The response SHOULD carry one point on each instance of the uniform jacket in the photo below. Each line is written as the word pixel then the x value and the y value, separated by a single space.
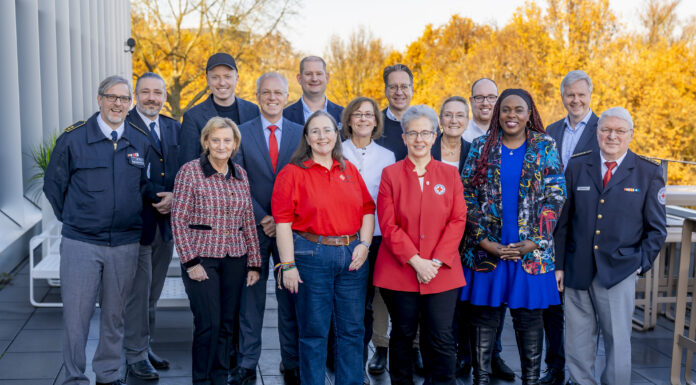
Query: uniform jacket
pixel 588 139
pixel 611 231
pixel 428 223
pixel 97 190
pixel 541 196
pixel 212 215
pixel 253 156
pixel 161 167
pixel 391 138
pixel 436 151
pixel 195 119
pixel 295 114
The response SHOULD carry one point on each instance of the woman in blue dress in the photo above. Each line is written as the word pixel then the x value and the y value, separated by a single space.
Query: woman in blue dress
pixel 514 189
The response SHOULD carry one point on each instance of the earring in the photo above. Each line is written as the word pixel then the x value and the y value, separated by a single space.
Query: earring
pixel 529 124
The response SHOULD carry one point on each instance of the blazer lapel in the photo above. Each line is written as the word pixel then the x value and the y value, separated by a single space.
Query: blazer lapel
pixel 435 150
pixel 139 122
pixel 289 136
pixel 587 133
pixel 260 139
pixel 594 169
pixel 623 171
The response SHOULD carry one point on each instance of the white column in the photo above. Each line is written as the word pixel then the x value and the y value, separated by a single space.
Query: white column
pixel 30 79
pixel 11 194
pixel 129 56
pixel 78 102
pixel 94 48
pixel 48 52
pixel 109 38
pixel 63 64
pixel 101 42
pixel 88 88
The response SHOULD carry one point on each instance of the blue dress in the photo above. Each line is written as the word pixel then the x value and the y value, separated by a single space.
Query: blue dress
pixel 509 283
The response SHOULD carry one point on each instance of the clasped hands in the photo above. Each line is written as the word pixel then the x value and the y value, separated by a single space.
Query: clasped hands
pixel 426 269
pixel 512 252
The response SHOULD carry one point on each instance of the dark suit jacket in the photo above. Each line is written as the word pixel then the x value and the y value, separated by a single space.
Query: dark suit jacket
pixel 588 139
pixel 195 119
pixel 611 231
pixel 162 166
pixel 295 114
pixel 436 152
pixel 391 138
pixel 254 158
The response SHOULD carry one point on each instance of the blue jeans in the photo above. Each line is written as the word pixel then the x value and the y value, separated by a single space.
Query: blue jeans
pixel 329 288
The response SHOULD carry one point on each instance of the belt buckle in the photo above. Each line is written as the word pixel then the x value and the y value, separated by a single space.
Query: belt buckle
pixel 347 237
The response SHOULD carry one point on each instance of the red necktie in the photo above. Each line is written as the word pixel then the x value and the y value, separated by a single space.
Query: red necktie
pixel 273 146
pixel 607 175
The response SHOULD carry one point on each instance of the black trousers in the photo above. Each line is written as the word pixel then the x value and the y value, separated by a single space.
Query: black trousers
pixel 435 313
pixel 553 327
pixel 522 319
pixel 215 306
pixel 371 258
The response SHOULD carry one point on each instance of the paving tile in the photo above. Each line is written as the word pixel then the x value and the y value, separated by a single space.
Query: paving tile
pixel 20 366
pixel 45 318
pixel 269 362
pixel 9 328
pixel 27 382
pixel 37 341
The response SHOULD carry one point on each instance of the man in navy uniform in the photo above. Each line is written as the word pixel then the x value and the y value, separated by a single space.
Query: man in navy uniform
pixel 268 142
pixel 575 133
pixel 222 77
pixel 95 183
pixel 313 79
pixel 611 229
pixel 156 243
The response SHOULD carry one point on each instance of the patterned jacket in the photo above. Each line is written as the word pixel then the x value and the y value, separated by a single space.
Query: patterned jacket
pixel 212 216
pixel 541 196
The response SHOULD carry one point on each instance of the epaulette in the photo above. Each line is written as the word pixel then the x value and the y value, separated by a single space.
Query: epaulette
pixel 138 128
pixel 76 125
pixel 167 117
pixel 581 154
pixel 651 160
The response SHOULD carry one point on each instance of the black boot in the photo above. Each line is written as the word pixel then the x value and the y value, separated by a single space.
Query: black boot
pixel 378 361
pixel 483 343
pixel 529 344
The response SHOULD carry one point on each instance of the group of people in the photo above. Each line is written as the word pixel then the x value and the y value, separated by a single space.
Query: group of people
pixel 404 227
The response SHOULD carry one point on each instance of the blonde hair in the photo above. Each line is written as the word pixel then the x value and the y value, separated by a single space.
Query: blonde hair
pixel 217 123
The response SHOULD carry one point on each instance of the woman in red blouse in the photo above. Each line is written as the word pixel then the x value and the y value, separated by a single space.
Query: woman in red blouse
pixel 422 214
pixel 324 223
pixel 215 237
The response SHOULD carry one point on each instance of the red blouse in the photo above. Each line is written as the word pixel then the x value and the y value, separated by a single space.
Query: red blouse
pixel 320 201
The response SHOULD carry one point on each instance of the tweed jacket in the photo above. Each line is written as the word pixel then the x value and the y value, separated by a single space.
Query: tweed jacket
pixel 541 196
pixel 212 216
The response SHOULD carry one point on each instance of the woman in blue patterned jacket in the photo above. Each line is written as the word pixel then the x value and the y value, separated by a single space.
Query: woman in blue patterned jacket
pixel 514 190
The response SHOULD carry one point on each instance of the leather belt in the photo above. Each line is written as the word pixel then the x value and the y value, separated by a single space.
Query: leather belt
pixel 341 240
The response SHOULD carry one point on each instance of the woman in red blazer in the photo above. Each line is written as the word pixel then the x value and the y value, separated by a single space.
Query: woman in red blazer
pixel 422 214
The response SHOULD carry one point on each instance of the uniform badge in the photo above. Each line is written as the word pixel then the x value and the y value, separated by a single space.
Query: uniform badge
pixel 583 188
pixel 341 177
pixel 439 189
pixel 661 197
pixel 631 189
pixel 148 171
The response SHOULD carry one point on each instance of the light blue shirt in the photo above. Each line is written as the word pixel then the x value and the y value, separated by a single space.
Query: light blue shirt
pixel 571 137
pixel 267 133
pixel 106 129
pixel 147 122
pixel 305 110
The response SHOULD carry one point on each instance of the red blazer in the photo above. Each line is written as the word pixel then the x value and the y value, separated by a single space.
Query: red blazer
pixel 428 223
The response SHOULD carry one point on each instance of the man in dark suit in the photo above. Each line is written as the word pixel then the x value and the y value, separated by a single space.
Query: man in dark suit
pixel 268 142
pixel 313 79
pixel 156 243
pixel 575 133
pixel 612 227
pixel 398 87
pixel 222 77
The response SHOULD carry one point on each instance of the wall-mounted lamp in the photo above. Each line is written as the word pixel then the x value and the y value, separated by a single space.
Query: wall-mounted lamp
pixel 130 45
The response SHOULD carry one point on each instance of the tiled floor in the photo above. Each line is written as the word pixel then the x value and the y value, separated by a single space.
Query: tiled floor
pixel 30 343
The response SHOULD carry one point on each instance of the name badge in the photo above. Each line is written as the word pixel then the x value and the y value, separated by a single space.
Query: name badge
pixel 136 161
pixel 583 188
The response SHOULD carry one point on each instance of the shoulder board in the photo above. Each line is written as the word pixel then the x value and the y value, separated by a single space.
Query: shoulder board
pixel 651 160
pixel 138 128
pixel 167 117
pixel 581 154
pixel 76 125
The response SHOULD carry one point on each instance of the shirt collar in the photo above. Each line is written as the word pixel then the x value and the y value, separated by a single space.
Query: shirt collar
pixel 310 163
pixel 583 121
pixel 106 129
pixel 265 123
pixel 618 161
pixel 209 170
pixel 306 110
pixel 146 119
pixel 391 115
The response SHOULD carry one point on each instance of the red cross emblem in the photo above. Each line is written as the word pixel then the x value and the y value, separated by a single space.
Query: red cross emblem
pixel 439 189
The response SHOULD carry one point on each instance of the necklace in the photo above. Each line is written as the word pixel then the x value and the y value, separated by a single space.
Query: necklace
pixel 451 151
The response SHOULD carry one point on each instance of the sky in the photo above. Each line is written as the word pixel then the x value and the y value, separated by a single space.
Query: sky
pixel 399 22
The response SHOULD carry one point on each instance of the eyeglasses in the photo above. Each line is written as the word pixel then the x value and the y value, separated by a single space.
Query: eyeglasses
pixel 426 135
pixel 480 98
pixel 609 131
pixel 358 115
pixel 396 87
pixel 450 115
pixel 111 98
pixel 319 132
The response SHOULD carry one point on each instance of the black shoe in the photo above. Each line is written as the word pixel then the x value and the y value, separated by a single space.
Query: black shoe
pixel 530 344
pixel 143 370
pixel 418 363
pixel 241 376
pixel 291 376
pixel 378 362
pixel 553 377
pixel 156 361
pixel 463 367
pixel 120 381
pixel 483 343
pixel 501 370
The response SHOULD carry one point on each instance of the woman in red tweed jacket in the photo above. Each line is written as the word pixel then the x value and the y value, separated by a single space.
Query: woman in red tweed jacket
pixel 215 236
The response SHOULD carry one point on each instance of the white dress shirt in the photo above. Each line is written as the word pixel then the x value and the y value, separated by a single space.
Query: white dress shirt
pixel 472 131
pixel 106 129
pixel 148 121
